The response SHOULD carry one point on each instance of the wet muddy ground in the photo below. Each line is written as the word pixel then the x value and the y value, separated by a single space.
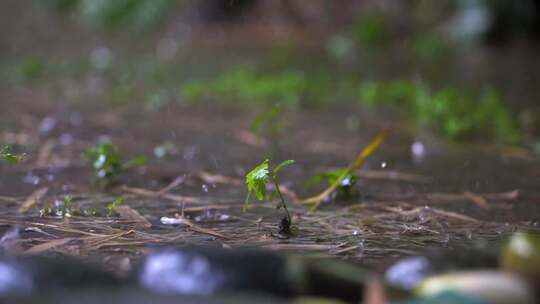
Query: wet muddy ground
pixel 447 195
pixel 418 191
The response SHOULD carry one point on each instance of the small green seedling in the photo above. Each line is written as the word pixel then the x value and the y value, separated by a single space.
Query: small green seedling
pixel 316 200
pixel 108 162
pixel 117 202
pixel 61 208
pixel 7 155
pixel 345 190
pixel 257 180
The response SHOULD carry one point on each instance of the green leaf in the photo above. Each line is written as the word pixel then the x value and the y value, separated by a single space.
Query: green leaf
pixel 117 202
pixel 137 161
pixel 7 155
pixel 283 164
pixel 257 178
pixel 329 177
pixel 256 181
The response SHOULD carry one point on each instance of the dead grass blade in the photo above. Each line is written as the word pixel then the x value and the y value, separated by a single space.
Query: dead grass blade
pixel 150 193
pixel 175 183
pixel 477 199
pixel 192 226
pixel 43 247
pixel 249 138
pixel 211 178
pixel 392 175
pixel 33 199
pixel 130 214
pixel 45 152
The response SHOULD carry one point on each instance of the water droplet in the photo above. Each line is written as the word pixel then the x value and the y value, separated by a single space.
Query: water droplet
pixel 361 247
pixel 425 214
pixel 204 188
pixel 66 139
pixel 100 57
pixel 75 118
pixel 166 49
pixel 352 123
pixel 31 178
pixel 190 152
pixel 47 125
pixel 418 150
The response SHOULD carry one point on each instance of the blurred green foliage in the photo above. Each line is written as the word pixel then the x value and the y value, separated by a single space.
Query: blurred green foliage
pixel 28 69
pixel 429 45
pixel 114 13
pixel 7 154
pixel 275 93
pixel 456 114
pixel 109 163
pixel 344 191
pixel 270 122
pixel 244 84
pixel 112 206
pixel 372 30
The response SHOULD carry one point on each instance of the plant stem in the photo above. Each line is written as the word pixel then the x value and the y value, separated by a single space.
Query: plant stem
pixel 282 200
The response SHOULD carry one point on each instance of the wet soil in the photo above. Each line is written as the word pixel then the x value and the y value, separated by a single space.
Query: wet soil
pixel 452 196
pixel 418 191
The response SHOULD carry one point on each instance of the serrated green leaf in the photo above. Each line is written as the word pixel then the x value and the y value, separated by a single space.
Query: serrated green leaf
pixel 256 180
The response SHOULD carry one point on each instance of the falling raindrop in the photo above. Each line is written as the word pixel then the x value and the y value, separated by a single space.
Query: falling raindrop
pixel 418 150
pixel 383 165
pixel 66 139
pixel 75 118
pixel 352 122
pixel 100 57
pixel 190 152
pixel 31 178
pixel 425 214
pixel 166 49
pixel 47 125
pixel 204 188
pixel 361 247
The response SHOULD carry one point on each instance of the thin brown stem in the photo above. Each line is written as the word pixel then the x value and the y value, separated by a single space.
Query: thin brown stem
pixel 281 198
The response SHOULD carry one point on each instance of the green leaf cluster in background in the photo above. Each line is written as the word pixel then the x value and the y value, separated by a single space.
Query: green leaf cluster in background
pixel 372 30
pixel 455 114
pixel 29 69
pixel 116 13
pixel 244 84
